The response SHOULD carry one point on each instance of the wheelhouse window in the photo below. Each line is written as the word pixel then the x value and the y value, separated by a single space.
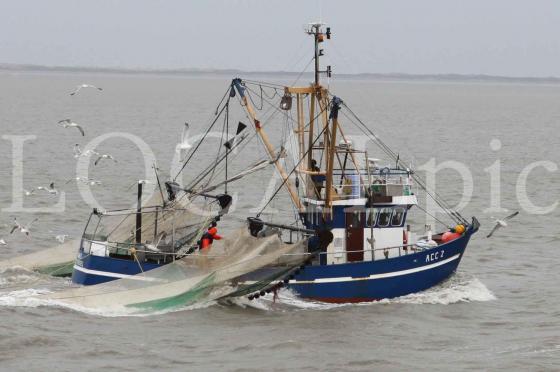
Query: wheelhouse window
pixel 384 217
pixel 371 216
pixel 398 215
pixel 356 219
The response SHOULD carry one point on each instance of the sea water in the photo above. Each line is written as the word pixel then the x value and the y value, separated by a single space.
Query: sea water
pixel 499 311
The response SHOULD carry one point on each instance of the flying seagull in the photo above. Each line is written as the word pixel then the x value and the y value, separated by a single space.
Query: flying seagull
pixel 92 182
pixel 68 123
pixel 78 179
pixel 184 144
pixel 78 151
pixel 87 181
pixel 82 86
pixel 501 223
pixel 104 156
pixel 3 242
pixel 22 229
pixel 51 190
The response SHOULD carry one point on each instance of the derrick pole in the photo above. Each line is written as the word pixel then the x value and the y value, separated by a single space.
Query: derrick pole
pixel 268 145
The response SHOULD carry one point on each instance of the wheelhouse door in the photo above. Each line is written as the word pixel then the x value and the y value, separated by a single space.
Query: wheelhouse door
pixel 355 223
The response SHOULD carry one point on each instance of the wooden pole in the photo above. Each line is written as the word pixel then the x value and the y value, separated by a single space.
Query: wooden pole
pixel 270 149
pixel 330 163
pixel 310 139
pixel 301 133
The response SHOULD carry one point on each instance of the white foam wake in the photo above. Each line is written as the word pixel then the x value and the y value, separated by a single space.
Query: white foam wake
pixel 20 287
pixel 28 298
pixel 454 290
pixel 459 288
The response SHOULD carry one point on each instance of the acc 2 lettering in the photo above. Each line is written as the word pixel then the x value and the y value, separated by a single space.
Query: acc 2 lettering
pixel 434 256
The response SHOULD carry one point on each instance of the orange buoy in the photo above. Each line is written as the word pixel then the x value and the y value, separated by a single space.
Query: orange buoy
pixel 459 229
pixel 449 236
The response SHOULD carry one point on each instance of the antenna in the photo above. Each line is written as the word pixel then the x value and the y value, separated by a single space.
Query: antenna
pixel 316 29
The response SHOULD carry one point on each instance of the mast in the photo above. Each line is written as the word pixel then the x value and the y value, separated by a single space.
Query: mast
pixel 320 95
pixel 315 29
pixel 139 215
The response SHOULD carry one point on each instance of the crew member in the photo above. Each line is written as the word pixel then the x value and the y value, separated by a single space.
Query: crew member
pixel 209 237
pixel 317 179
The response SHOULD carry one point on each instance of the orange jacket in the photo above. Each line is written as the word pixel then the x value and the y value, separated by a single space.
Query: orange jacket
pixel 209 237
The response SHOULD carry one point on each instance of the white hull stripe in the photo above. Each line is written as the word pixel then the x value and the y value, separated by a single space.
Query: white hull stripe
pixel 114 275
pixel 377 276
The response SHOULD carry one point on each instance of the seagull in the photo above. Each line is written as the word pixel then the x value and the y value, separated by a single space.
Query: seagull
pixel 104 156
pixel 61 238
pixel 87 181
pixel 68 123
pixel 184 144
pixel 78 152
pixel 28 192
pixel 22 229
pixel 3 242
pixel 82 86
pixel 51 190
pixel 92 182
pixel 501 223
pixel 77 179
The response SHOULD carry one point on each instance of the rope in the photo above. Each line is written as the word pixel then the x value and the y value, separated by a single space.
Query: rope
pixel 203 138
pixel 295 167
pixel 455 216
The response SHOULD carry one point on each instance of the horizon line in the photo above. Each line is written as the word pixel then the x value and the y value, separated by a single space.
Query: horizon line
pixel 221 71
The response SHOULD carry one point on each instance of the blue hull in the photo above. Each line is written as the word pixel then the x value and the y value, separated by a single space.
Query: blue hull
pixel 339 283
pixel 376 280
pixel 89 270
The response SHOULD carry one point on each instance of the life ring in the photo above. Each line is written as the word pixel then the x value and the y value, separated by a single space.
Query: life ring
pixel 385 170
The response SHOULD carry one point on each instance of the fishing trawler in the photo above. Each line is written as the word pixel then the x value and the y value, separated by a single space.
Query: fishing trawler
pixel 351 210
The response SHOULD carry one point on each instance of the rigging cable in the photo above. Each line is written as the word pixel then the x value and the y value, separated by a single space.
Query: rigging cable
pixel 298 163
pixel 437 198
pixel 202 140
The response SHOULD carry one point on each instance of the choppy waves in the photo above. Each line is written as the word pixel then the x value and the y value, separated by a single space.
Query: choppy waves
pixel 20 287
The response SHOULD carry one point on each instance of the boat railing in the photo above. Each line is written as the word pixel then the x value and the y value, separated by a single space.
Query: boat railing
pixel 125 249
pixel 353 185
pixel 403 250
pixel 113 233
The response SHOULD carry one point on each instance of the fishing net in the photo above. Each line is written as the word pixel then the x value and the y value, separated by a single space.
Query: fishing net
pixel 53 261
pixel 167 229
pixel 196 277
pixel 162 224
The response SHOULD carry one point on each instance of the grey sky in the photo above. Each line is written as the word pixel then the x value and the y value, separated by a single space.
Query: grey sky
pixel 499 37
